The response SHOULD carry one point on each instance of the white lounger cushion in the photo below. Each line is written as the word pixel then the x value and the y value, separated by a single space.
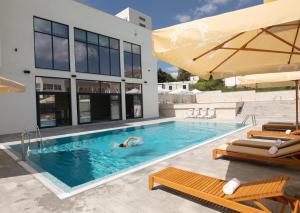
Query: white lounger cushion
pixel 265 144
pixel 259 151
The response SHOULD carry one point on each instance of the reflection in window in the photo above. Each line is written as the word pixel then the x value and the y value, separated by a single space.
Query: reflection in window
pixel 60 53
pixel 115 62
pixel 43 50
pixel 103 53
pixel 84 86
pixel 93 58
pixel 98 101
pixel 132 60
pixel 44 84
pixel 53 101
pixel 80 57
pixel 105 63
pixel 134 106
pixel 51 44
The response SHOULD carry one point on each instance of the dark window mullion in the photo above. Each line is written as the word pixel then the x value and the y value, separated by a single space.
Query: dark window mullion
pixel 100 59
pixel 109 47
pixel 98 50
pixel 52 45
pixel 69 68
pixel 87 54
pixel 132 75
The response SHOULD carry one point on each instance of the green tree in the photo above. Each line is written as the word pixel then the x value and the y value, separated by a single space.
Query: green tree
pixel 183 75
pixel 208 85
pixel 164 76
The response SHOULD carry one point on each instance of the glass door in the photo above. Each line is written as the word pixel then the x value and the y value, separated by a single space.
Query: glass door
pixel 115 108
pixel 137 106
pixel 47 116
pixel 84 109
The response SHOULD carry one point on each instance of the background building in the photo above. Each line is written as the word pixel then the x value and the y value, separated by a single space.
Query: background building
pixel 179 85
pixel 79 65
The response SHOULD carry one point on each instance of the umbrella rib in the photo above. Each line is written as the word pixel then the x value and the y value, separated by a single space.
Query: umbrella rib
pixel 294 44
pixel 218 47
pixel 281 39
pixel 237 50
pixel 259 50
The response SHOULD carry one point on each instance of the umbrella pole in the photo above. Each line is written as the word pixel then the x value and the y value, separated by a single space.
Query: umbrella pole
pixel 297 91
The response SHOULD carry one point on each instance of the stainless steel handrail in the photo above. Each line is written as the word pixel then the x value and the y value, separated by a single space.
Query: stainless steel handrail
pixel 253 118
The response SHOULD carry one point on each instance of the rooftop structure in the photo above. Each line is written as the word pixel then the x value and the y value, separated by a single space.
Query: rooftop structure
pixel 136 17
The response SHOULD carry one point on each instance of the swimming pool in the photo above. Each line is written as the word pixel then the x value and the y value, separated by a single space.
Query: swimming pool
pixel 75 161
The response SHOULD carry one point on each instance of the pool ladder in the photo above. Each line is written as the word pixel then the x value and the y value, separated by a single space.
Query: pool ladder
pixel 253 119
pixel 25 135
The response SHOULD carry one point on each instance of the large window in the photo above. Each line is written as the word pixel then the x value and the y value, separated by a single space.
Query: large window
pixel 53 101
pixel 132 60
pixel 98 101
pixel 51 45
pixel 134 101
pixel 96 53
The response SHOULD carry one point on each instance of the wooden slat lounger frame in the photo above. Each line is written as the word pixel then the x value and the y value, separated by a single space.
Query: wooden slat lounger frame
pixel 210 189
pixel 272 134
pixel 292 160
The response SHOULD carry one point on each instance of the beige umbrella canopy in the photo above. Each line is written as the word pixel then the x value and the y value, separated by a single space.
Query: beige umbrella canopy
pixel 259 39
pixel 9 86
pixel 273 80
pixel 269 80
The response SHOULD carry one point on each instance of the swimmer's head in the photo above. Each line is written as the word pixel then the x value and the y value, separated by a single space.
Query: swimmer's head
pixel 122 145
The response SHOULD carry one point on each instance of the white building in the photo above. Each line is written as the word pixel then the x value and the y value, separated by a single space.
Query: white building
pixel 79 65
pixel 179 85
pixel 136 17
pixel 231 82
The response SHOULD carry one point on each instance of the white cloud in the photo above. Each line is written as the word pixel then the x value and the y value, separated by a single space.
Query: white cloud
pixel 207 8
pixel 174 75
pixel 172 71
pixel 241 3
pixel 183 18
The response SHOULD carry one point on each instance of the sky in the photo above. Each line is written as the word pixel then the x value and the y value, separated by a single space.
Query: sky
pixel 166 13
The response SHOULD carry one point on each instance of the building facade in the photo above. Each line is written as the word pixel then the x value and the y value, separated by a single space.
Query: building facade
pixel 179 85
pixel 79 65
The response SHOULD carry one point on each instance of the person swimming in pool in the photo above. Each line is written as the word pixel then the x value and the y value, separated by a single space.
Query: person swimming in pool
pixel 131 141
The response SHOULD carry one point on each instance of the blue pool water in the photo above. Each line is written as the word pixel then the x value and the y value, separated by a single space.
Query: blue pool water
pixel 79 159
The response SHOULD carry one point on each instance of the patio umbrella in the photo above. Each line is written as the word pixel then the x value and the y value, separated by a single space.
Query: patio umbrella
pixel 259 39
pixel 9 86
pixel 273 80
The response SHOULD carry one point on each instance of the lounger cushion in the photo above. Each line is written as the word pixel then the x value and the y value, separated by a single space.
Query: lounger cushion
pixel 259 151
pixel 253 143
pixel 265 144
pixel 292 191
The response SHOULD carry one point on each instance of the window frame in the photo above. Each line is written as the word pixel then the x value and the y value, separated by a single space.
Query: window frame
pixel 50 93
pixel 141 96
pixel 88 93
pixel 52 35
pixel 98 50
pixel 132 54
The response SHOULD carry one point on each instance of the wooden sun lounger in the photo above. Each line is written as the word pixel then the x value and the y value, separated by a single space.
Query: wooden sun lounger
pixel 287 156
pixel 210 189
pixel 273 126
pixel 272 134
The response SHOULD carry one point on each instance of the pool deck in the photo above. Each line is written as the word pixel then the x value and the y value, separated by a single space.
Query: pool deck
pixel 21 192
